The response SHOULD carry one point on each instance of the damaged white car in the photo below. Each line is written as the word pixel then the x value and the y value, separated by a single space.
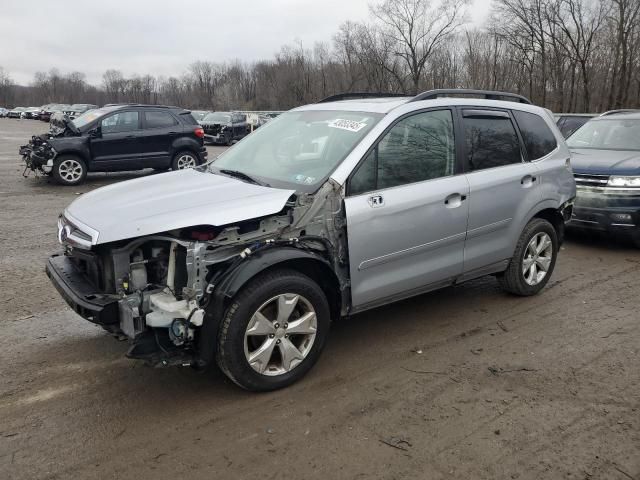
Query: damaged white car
pixel 329 209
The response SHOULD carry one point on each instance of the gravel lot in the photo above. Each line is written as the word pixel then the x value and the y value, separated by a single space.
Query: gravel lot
pixel 463 383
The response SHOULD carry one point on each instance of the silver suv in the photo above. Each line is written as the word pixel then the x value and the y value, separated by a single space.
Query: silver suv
pixel 328 210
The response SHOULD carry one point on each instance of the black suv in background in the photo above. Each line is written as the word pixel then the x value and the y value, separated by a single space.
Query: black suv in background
pixel 224 127
pixel 116 138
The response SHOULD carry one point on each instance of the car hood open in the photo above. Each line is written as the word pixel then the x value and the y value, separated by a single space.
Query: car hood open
pixel 171 201
pixel 605 162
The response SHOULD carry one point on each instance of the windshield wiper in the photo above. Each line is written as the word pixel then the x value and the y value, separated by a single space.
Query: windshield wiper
pixel 240 175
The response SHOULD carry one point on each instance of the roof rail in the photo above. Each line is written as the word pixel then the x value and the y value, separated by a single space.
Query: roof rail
pixel 619 111
pixel 356 95
pixel 137 105
pixel 487 94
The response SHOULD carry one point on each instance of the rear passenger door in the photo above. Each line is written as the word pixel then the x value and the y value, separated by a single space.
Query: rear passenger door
pixel 503 187
pixel 406 210
pixel 160 129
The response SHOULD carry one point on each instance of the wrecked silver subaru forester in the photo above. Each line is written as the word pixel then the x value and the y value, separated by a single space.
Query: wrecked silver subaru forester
pixel 328 210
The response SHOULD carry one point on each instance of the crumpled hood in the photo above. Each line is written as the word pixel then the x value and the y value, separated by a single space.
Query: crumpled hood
pixel 173 200
pixel 605 162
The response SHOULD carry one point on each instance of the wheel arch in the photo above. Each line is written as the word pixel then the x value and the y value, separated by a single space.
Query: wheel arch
pixel 70 152
pixel 555 218
pixel 307 262
pixel 549 210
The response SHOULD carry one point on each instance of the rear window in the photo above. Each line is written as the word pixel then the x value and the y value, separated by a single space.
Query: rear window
pixel 538 138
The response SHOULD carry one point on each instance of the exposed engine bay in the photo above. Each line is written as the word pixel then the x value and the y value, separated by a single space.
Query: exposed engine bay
pixel 162 287
pixel 41 151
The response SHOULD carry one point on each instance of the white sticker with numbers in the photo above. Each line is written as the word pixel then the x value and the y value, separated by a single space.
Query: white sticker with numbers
pixel 350 125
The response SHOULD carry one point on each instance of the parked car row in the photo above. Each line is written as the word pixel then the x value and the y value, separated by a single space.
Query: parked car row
pixel 44 112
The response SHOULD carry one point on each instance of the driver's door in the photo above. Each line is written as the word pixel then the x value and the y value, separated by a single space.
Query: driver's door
pixel 117 144
pixel 407 209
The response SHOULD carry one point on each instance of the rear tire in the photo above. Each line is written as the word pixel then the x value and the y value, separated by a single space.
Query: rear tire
pixel 69 170
pixel 273 331
pixel 533 260
pixel 183 160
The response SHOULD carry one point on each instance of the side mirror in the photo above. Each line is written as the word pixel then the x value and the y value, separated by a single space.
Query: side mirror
pixel 95 132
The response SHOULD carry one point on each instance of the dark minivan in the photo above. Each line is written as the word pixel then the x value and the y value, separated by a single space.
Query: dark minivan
pixel 117 138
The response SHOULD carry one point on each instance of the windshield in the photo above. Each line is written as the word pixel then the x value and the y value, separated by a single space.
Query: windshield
pixel 90 116
pixel 607 134
pixel 298 149
pixel 59 108
pixel 217 117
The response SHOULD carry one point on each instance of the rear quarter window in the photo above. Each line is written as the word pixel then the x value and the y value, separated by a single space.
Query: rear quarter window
pixel 188 119
pixel 538 138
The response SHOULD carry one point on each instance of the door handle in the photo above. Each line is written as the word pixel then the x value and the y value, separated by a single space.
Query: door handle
pixel 454 200
pixel 528 180
pixel 375 201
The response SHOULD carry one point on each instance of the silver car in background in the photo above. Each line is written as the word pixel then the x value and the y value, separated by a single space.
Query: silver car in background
pixel 330 209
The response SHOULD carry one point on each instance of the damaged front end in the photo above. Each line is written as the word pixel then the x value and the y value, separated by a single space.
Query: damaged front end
pixel 166 293
pixel 40 153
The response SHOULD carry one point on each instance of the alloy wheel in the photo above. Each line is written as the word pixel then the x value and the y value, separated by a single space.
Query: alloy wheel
pixel 537 258
pixel 280 334
pixel 186 161
pixel 70 170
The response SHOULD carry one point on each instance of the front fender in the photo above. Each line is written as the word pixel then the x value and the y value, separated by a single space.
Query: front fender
pixel 71 145
pixel 232 281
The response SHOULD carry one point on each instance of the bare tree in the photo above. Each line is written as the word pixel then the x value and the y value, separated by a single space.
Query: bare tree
pixel 418 28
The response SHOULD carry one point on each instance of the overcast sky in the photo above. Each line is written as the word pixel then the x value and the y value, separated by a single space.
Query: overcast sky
pixel 162 37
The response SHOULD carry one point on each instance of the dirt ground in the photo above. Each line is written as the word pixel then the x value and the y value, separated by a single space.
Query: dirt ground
pixel 464 383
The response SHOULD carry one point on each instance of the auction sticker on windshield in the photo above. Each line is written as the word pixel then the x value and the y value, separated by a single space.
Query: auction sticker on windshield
pixel 350 125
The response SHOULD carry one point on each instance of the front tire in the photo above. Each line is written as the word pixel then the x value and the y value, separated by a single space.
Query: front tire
pixel 183 160
pixel 273 331
pixel 533 261
pixel 69 170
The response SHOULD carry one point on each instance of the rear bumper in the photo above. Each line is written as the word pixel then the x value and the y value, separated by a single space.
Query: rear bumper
pixel 203 155
pixel 79 294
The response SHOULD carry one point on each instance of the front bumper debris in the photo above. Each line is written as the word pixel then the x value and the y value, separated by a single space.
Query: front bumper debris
pixel 77 291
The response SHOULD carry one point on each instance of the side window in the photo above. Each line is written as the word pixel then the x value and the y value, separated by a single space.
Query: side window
pixel 158 119
pixel 491 140
pixel 120 122
pixel 417 148
pixel 538 139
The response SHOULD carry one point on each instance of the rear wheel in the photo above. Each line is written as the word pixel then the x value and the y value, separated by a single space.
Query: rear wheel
pixel 69 170
pixel 533 261
pixel 274 331
pixel 183 160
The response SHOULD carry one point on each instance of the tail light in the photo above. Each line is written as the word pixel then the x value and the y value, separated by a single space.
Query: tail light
pixel 199 132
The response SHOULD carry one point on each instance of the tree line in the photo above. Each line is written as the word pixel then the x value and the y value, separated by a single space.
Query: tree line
pixel 566 55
